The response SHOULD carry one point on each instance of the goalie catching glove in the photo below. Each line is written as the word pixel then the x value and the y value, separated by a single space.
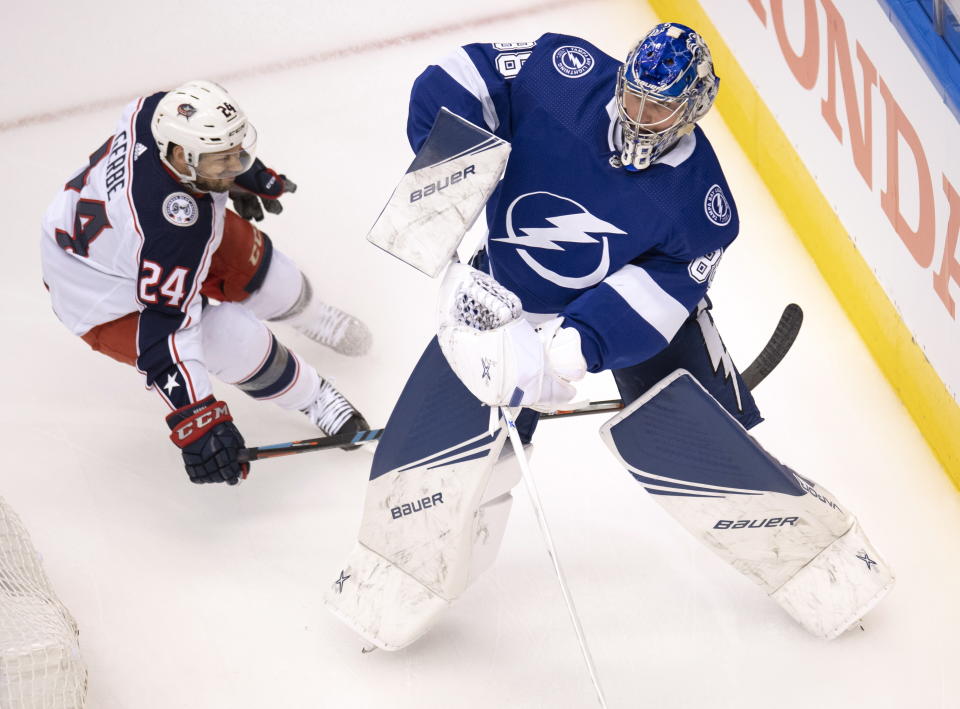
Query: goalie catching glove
pixel 209 442
pixel 497 354
pixel 259 185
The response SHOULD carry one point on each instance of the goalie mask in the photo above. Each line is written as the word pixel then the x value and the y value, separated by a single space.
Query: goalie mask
pixel 218 141
pixel 665 86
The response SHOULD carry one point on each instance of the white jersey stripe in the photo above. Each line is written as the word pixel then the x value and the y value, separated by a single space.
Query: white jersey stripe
pixel 649 300
pixel 614 139
pixel 129 190
pixel 680 152
pixel 462 70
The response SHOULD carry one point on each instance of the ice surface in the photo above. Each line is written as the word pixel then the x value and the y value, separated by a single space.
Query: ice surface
pixel 192 596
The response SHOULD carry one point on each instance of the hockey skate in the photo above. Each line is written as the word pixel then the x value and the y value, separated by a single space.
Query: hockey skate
pixel 328 325
pixel 324 323
pixel 333 414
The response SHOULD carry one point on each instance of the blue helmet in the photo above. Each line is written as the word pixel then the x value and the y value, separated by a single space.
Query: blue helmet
pixel 665 85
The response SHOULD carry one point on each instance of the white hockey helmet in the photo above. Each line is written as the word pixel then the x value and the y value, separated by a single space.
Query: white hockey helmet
pixel 218 141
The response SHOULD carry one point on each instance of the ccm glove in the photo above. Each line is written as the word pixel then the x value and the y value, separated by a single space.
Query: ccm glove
pixel 209 442
pixel 259 185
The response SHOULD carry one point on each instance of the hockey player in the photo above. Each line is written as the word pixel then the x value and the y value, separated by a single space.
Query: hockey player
pixel 139 243
pixel 604 236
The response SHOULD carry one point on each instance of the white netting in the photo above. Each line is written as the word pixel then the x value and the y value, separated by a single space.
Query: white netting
pixel 482 303
pixel 40 665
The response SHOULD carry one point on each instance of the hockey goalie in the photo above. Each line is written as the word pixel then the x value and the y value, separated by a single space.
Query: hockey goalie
pixel 605 233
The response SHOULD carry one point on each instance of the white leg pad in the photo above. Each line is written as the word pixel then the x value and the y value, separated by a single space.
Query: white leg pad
pixel 489 526
pixel 412 609
pixel 428 530
pixel 838 587
pixel 783 531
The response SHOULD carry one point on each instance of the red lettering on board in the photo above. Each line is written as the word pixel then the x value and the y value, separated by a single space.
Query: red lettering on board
pixel 838 52
pixel 805 65
pixel 919 241
pixel 758 8
pixel 949 266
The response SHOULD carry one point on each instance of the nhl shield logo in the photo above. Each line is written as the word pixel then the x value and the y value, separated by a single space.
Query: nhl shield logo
pixel 717 207
pixel 180 209
pixel 573 62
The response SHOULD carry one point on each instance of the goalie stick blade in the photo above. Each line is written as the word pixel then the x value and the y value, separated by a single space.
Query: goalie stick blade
pixel 776 348
pixel 442 194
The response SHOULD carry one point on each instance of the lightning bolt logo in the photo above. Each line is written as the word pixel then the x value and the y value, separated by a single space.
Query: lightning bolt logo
pixel 719 357
pixel 569 228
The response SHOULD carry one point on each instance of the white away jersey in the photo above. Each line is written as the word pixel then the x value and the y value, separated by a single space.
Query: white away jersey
pixel 125 235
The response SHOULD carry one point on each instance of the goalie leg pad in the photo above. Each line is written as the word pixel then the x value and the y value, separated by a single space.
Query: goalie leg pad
pixel 380 602
pixel 432 520
pixel 771 524
pixel 838 587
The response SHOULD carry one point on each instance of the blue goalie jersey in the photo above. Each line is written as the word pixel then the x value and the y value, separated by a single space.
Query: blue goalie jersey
pixel 624 256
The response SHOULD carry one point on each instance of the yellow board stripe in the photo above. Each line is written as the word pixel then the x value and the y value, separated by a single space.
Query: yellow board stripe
pixel 914 379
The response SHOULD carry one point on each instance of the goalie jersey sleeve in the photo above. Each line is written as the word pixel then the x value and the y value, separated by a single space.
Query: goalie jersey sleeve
pixel 636 311
pixel 473 82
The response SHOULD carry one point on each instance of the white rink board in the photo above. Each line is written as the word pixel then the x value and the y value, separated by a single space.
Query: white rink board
pixel 190 596
pixel 860 33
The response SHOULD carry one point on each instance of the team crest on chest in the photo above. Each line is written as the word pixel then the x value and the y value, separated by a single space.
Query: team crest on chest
pixel 717 207
pixel 543 220
pixel 573 62
pixel 180 209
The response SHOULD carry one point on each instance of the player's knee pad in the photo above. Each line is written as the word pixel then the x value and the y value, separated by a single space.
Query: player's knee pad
pixel 235 342
pixel 282 289
pixel 241 350
pixel 783 531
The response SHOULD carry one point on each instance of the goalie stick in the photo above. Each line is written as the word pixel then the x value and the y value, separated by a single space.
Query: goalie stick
pixel 770 356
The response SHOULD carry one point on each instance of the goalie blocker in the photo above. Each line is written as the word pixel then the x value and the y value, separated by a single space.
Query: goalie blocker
pixel 442 194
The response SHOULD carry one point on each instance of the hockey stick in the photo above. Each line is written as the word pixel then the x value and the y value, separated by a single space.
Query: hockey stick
pixel 780 342
pixel 776 348
pixel 531 486
pixel 278 450
pixel 770 356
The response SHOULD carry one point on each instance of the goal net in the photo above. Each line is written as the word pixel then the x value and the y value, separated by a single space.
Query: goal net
pixel 40 665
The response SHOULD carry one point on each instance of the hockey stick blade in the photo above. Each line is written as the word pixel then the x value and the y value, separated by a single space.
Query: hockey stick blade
pixel 770 356
pixel 776 348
